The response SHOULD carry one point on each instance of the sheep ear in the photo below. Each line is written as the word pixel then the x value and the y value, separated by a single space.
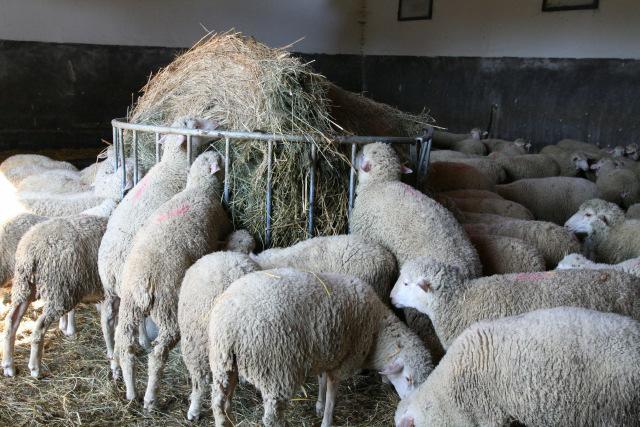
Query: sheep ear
pixel 215 166
pixel 365 166
pixel 424 285
pixel 405 170
pixel 392 368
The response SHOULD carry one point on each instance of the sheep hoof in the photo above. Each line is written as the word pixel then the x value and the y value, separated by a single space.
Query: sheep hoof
pixel 193 415
pixel 115 372
pixel 131 396
pixel 9 371
pixel 149 406
pixel 35 373
pixel 319 409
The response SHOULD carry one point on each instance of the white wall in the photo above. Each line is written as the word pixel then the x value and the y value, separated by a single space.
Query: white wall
pixel 459 27
pixel 327 25
pixel 491 28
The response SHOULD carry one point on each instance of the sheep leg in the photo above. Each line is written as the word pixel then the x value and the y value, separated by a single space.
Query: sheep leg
pixel 124 351
pixel 222 389
pixel 168 337
pixel 108 320
pixel 322 390
pixel 62 324
pixel 332 391
pixel 198 385
pixel 70 329
pixel 45 320
pixel 273 411
pixel 12 322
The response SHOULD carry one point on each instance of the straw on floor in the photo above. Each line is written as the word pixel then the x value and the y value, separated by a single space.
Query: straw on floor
pixel 77 389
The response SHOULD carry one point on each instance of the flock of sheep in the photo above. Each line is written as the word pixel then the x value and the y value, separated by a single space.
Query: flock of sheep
pixel 473 298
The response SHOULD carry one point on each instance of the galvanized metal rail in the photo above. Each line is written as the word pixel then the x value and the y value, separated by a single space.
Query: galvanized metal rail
pixel 419 152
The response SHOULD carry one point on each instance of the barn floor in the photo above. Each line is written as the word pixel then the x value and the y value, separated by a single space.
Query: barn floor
pixel 77 389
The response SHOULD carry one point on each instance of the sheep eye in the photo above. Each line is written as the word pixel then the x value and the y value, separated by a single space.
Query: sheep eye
pixel 587 214
pixel 406 284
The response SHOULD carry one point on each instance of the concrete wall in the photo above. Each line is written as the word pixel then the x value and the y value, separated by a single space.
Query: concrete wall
pixel 513 28
pixel 328 26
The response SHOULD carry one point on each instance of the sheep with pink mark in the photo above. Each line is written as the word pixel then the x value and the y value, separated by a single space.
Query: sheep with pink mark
pixel 454 302
pixel 579 261
pixel 183 229
pixel 163 181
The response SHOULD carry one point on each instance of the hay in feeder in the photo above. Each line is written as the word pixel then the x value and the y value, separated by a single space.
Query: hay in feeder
pixel 77 388
pixel 244 85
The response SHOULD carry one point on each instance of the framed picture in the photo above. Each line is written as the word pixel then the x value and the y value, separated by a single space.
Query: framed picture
pixel 558 5
pixel 412 10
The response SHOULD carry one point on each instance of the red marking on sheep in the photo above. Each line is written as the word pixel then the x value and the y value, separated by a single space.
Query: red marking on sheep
pixel 173 213
pixel 140 188
pixel 532 277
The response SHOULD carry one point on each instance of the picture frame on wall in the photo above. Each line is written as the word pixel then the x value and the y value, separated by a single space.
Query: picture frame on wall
pixel 413 10
pixel 560 5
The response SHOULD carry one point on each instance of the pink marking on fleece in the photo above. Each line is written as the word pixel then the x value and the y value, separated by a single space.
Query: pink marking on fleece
pixel 173 213
pixel 139 189
pixel 533 277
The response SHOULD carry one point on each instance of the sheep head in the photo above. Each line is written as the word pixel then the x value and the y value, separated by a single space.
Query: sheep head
pixel 379 162
pixel 594 215
pixel 419 279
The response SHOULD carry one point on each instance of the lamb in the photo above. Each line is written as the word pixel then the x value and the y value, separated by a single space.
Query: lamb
pixel 346 254
pixel 162 182
pixel 487 375
pixel 447 156
pixel 527 166
pixel 56 261
pixel 187 226
pixel 445 140
pixel 203 282
pixel 575 145
pixel 617 184
pixel 571 162
pixel 551 240
pixel 53 205
pixel 471 194
pixel 633 212
pixel 54 181
pixel 494 206
pixel 489 167
pixel 571 261
pixel 454 302
pixel 507 148
pixel 552 199
pixel 250 334
pixel 11 231
pixel 18 167
pixel 448 176
pixel 610 237
pixel 470 146
pixel 402 219
pixel 501 255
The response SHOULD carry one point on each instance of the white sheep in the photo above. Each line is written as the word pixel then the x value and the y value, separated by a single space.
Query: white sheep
pixel 471 194
pixel 189 225
pixel 203 282
pixel 527 166
pixel 509 148
pixel 494 206
pixel 633 212
pixel 470 146
pixel 276 327
pixel 402 219
pixel 552 199
pixel 562 366
pixel 447 156
pixel 575 145
pixel 11 231
pixel 161 182
pixel 572 261
pixel 571 162
pixel 501 255
pixel 58 181
pixel 551 240
pixel 56 261
pixel 446 140
pixel 54 205
pixel 617 183
pixel 454 302
pixel 346 254
pixel 632 151
pixel 481 218
pixel 610 237
pixel 452 175
pixel 18 167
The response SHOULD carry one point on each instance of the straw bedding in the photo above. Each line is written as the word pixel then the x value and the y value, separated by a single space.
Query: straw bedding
pixel 244 85
pixel 77 389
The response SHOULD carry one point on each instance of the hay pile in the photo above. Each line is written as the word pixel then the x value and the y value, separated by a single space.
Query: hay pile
pixel 244 85
pixel 77 388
